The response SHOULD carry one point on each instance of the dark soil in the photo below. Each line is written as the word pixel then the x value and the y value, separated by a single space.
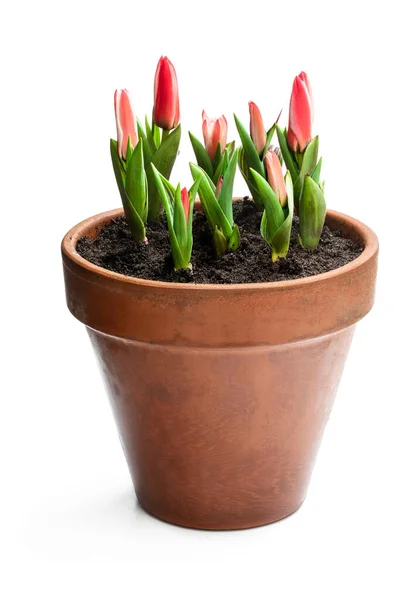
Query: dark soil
pixel 115 250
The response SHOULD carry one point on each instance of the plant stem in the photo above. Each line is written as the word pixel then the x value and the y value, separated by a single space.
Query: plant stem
pixel 165 134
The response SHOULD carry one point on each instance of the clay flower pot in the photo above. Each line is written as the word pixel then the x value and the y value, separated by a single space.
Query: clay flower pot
pixel 221 393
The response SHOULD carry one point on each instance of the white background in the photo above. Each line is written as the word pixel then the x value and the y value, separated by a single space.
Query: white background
pixel 70 524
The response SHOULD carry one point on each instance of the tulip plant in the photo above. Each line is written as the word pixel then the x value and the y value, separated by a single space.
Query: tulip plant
pixel 214 156
pixel 178 205
pixel 217 205
pixel 300 153
pixel 254 148
pixel 143 158
pixel 160 140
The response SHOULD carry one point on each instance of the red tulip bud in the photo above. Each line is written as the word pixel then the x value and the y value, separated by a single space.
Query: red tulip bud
pixel 300 114
pixel 185 203
pixel 275 176
pixel 214 131
pixel 219 186
pixel 126 122
pixel 257 129
pixel 166 98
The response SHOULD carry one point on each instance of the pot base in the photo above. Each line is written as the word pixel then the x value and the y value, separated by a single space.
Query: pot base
pixel 229 525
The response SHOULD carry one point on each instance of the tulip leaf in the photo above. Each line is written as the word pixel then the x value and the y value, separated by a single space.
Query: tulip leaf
pixel 250 152
pixel 156 134
pixel 163 160
pixel 181 260
pixel 180 225
pixel 263 226
pixel 230 147
pixel 192 197
pixel 135 223
pixel 220 241
pixel 249 160
pixel 225 197
pixel 149 135
pixel 217 157
pixel 286 153
pixel 274 212
pixel 269 136
pixel 136 181
pixel 308 165
pixel 312 211
pixel 317 171
pixel 280 241
pixel 203 160
pixel 234 240
pixel 220 170
pixel 245 173
pixel 213 211
pixel 147 151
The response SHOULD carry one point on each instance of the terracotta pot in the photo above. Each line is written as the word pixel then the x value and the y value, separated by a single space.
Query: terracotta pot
pixel 221 392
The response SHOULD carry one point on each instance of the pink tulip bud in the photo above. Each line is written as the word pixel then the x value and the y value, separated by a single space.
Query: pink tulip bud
pixel 219 186
pixel 185 203
pixel 300 114
pixel 215 132
pixel 166 112
pixel 125 120
pixel 275 176
pixel 257 129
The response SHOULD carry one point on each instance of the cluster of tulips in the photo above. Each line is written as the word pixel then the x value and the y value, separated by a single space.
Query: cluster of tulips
pixel 143 158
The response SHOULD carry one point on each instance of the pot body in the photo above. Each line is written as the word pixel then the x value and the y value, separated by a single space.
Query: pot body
pixel 221 393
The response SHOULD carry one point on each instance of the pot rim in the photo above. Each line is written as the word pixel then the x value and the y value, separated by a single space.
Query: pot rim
pixel 361 231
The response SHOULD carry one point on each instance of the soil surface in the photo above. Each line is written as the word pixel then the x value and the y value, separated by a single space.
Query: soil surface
pixel 115 250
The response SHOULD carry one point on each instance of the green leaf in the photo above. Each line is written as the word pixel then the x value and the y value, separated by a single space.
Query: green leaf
pixel 317 171
pixel 220 170
pixel 230 147
pixel 192 197
pixel 286 153
pixel 234 240
pixel 308 165
pixel 274 212
pixel 203 160
pixel 135 223
pixel 312 210
pixel 156 135
pixel 270 135
pixel 217 157
pixel 180 226
pixel 225 197
pixel 163 160
pixel 147 151
pixel 244 169
pixel 129 152
pixel 280 242
pixel 180 260
pixel 220 241
pixel 263 226
pixel 250 152
pixel 149 136
pixel 136 181
pixel 213 211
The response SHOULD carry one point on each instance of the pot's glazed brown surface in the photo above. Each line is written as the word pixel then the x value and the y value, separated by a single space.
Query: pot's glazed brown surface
pixel 221 392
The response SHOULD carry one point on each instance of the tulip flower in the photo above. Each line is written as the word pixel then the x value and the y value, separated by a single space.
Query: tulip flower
pixel 185 203
pixel 275 176
pixel 219 186
pixel 257 129
pixel 166 112
pixel 125 120
pixel 215 132
pixel 300 114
